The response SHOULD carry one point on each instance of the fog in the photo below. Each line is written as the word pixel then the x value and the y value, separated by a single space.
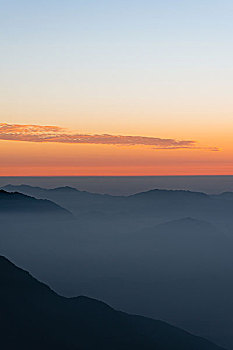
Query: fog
pixel 163 254
pixel 126 185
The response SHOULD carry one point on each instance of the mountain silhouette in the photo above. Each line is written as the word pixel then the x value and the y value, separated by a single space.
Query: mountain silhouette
pixel 160 253
pixel 18 203
pixel 154 204
pixel 71 198
pixel 34 317
pixel 156 193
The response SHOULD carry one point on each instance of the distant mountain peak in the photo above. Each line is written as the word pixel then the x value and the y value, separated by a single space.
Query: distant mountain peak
pixel 10 186
pixel 64 188
pixel 24 187
pixel 187 222
pixel 157 191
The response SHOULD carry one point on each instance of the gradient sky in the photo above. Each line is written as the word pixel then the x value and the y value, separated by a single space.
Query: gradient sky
pixel 158 69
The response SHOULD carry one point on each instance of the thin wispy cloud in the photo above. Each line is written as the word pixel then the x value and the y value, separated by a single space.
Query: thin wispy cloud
pixel 41 133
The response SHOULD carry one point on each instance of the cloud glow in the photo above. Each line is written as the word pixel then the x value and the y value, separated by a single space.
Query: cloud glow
pixel 40 133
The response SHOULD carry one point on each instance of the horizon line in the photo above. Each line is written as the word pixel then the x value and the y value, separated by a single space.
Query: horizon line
pixel 167 175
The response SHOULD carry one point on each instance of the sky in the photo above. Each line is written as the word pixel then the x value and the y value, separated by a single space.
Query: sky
pixel 116 87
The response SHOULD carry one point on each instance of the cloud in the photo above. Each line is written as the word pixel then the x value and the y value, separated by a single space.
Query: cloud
pixel 40 133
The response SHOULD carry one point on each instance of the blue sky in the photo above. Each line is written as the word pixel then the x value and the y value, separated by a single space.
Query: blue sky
pixel 150 68
pixel 103 51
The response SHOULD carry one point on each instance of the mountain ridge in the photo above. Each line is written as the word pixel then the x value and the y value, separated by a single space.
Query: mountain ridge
pixel 67 323
pixel 16 202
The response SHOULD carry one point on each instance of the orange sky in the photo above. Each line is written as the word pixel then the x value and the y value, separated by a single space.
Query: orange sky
pixel 29 158
pixel 132 88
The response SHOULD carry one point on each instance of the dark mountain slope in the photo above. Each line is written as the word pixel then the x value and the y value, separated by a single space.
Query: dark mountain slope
pixel 18 203
pixel 34 317
pixel 70 198
pixel 189 265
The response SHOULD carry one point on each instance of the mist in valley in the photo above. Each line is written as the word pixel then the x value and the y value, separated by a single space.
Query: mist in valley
pixel 163 254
